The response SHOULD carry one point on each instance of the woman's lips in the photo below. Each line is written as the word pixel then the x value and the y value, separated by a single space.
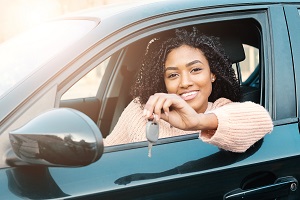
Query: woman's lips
pixel 189 95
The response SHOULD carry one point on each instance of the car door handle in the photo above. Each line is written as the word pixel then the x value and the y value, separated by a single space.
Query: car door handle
pixel 281 188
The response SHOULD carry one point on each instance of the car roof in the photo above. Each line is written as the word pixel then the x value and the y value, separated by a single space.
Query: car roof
pixel 156 7
pixel 114 17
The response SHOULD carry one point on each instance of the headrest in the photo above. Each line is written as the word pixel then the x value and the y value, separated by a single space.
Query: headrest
pixel 233 48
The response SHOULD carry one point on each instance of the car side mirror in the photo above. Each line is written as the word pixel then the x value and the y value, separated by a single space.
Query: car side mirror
pixel 60 137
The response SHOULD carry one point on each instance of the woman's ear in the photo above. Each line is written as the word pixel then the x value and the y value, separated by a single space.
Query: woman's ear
pixel 213 77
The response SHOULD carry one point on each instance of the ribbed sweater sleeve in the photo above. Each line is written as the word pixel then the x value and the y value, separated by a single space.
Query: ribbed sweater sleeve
pixel 129 128
pixel 240 125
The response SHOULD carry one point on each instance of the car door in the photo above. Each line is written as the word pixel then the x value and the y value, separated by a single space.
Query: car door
pixel 293 16
pixel 184 166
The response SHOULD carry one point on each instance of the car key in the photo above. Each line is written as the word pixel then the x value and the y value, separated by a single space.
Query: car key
pixel 152 130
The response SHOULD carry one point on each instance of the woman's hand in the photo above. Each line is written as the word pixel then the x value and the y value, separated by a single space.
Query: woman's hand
pixel 173 109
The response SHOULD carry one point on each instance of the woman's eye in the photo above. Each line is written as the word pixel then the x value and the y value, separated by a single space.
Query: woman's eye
pixel 173 75
pixel 196 69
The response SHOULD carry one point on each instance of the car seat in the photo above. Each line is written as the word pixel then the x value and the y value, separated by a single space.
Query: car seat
pixel 233 47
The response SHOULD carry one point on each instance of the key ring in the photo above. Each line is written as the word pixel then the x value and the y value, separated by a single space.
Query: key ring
pixel 154 121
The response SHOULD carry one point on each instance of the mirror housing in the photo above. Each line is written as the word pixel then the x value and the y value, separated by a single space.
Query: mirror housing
pixel 59 137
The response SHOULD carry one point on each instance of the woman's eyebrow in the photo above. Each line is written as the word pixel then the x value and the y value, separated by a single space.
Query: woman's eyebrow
pixel 193 62
pixel 171 68
pixel 187 65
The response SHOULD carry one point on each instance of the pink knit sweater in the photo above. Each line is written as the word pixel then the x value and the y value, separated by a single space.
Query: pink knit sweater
pixel 240 125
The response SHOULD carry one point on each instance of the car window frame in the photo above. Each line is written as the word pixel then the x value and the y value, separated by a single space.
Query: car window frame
pixel 119 40
pixel 257 14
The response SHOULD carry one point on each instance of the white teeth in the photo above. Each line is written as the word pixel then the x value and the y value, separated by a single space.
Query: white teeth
pixel 188 94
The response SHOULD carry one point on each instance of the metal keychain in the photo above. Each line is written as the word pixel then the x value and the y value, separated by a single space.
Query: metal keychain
pixel 152 132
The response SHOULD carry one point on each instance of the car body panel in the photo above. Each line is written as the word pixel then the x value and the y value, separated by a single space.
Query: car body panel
pixel 200 165
pixel 281 58
pixel 293 20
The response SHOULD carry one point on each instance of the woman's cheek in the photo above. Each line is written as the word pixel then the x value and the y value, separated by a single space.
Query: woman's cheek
pixel 172 87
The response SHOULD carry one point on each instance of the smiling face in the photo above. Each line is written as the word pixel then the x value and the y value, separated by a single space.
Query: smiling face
pixel 187 74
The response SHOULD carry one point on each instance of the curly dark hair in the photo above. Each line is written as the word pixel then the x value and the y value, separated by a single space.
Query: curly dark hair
pixel 150 77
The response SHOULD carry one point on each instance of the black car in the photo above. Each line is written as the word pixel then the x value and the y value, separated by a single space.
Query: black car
pixel 64 84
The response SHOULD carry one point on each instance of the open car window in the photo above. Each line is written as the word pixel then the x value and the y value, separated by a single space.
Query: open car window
pixel 243 50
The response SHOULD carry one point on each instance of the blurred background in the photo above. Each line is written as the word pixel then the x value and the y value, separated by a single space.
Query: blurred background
pixel 18 15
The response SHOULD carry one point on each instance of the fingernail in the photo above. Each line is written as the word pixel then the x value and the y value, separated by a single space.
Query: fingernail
pixel 144 112
pixel 167 114
pixel 156 117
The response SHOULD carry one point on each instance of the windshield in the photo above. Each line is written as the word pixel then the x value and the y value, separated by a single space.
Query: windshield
pixel 22 55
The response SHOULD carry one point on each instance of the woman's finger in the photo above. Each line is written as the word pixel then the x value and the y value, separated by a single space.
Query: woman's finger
pixel 160 103
pixel 150 105
pixel 166 107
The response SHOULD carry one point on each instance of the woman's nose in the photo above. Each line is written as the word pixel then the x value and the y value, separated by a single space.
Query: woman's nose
pixel 186 81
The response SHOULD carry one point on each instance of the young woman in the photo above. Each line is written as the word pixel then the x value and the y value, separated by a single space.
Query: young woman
pixel 188 85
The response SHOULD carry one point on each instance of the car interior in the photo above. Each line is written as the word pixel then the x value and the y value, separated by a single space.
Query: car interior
pixel 105 109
